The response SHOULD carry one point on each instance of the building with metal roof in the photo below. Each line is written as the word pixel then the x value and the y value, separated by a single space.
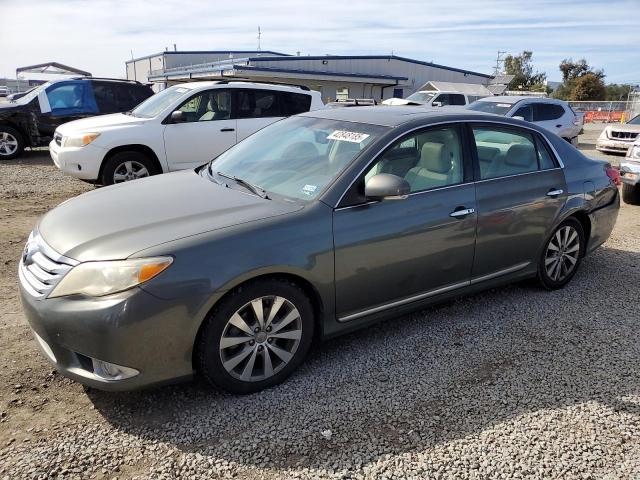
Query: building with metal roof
pixel 335 76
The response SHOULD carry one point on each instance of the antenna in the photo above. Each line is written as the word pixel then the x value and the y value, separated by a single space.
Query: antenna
pixel 499 63
pixel 259 35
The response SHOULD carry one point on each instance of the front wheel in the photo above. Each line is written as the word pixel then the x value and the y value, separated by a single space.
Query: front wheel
pixel 127 166
pixel 11 143
pixel 631 194
pixel 561 255
pixel 256 337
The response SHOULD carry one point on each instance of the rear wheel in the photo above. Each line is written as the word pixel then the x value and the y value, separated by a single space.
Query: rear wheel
pixel 127 166
pixel 631 194
pixel 561 255
pixel 256 337
pixel 11 143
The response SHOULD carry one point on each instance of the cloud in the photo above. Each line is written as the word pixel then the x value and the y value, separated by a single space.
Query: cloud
pixel 99 35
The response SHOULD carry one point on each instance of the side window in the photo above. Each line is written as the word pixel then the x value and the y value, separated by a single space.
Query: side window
pixel 546 111
pixel 294 103
pixel 426 160
pixel 126 97
pixel 68 98
pixel 105 97
pixel 457 99
pixel 504 152
pixel 258 104
pixel 525 112
pixel 443 98
pixel 545 159
pixel 207 106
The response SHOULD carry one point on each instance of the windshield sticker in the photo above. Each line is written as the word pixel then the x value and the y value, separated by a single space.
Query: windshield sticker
pixel 344 136
pixel 505 105
pixel 309 189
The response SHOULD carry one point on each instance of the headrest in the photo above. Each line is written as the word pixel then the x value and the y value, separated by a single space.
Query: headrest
pixel 435 157
pixel 520 155
pixel 300 149
pixel 264 102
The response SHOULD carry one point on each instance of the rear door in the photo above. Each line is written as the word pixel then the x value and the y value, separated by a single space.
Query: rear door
pixel 208 130
pixel 520 191
pixel 549 116
pixel 256 109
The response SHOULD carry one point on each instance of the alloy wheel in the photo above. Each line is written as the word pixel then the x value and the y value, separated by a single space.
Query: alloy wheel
pixel 260 338
pixel 8 144
pixel 563 252
pixel 129 170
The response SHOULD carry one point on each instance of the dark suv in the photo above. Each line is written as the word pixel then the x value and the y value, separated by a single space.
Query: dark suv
pixel 31 120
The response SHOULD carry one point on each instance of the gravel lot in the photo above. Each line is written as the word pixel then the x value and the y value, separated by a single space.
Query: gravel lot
pixel 511 383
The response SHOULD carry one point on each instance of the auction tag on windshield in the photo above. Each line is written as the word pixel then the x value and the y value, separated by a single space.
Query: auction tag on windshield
pixel 309 189
pixel 344 136
pixel 504 105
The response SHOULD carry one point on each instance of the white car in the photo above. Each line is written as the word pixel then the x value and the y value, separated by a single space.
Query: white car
pixel 433 98
pixel 618 137
pixel 630 172
pixel 553 115
pixel 181 127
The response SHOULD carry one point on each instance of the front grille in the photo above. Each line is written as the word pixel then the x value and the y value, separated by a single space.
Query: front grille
pixel 41 268
pixel 623 135
pixel 58 139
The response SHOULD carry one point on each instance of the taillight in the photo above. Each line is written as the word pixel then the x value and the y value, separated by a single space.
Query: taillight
pixel 614 175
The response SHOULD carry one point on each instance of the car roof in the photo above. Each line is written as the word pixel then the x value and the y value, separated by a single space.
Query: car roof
pixel 518 98
pixel 240 84
pixel 393 116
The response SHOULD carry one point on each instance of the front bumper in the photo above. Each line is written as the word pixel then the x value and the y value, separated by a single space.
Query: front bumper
pixel 80 162
pixel 613 146
pixel 630 172
pixel 133 329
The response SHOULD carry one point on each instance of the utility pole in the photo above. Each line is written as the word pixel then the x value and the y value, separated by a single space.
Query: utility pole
pixel 259 35
pixel 499 63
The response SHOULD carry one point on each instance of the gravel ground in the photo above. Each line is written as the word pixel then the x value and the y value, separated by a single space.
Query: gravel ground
pixel 510 383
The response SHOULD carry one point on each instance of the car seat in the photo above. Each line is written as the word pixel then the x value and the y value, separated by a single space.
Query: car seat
pixel 434 168
pixel 520 158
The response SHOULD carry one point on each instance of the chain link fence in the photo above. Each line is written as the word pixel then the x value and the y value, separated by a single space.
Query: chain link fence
pixel 609 112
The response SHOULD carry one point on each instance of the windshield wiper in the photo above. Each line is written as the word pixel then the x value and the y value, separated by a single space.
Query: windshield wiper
pixel 261 192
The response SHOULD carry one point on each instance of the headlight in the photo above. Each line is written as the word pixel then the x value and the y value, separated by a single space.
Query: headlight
pixel 102 278
pixel 634 151
pixel 79 140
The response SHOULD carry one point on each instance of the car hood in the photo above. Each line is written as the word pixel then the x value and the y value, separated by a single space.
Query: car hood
pixel 100 122
pixel 624 127
pixel 115 222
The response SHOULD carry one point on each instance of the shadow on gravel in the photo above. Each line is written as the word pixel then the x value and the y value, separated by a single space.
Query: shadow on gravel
pixel 407 385
pixel 38 156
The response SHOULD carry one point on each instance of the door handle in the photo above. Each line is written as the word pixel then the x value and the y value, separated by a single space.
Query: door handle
pixel 227 129
pixel 559 126
pixel 555 192
pixel 463 212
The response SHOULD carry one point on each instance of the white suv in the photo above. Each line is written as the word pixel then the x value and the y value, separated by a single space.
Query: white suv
pixel 181 127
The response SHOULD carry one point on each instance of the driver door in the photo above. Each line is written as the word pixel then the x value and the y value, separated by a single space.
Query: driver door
pixel 393 252
pixel 208 129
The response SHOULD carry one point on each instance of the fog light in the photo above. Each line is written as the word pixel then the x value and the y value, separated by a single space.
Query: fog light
pixel 111 371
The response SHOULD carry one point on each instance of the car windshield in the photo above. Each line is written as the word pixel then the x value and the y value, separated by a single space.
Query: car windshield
pixel 156 104
pixel 635 120
pixel 32 94
pixel 497 108
pixel 296 157
pixel 421 96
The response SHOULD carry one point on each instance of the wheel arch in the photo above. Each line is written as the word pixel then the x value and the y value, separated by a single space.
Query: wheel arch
pixel 134 147
pixel 25 135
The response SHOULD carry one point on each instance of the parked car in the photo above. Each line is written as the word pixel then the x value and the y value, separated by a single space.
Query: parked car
pixel 181 127
pixel 316 225
pixel 433 98
pixel 31 120
pixel 352 102
pixel 4 91
pixel 619 137
pixel 554 115
pixel 630 172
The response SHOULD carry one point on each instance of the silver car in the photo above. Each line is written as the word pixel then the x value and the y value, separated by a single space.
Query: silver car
pixel 553 115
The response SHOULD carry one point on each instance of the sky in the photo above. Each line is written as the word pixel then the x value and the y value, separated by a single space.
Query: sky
pixel 100 35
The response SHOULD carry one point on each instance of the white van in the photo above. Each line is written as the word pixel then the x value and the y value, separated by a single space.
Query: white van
pixel 181 127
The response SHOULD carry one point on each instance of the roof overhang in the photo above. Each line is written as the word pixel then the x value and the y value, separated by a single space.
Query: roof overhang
pixel 54 68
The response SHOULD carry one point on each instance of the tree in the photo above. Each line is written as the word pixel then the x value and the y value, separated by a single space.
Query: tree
pixel 580 81
pixel 617 92
pixel 588 87
pixel 521 67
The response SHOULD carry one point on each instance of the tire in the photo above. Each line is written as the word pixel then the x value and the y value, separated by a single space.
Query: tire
pixel 127 166
pixel 11 143
pixel 244 353
pixel 554 274
pixel 631 194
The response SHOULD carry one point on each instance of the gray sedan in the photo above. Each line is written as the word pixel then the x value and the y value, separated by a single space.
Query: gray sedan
pixel 316 225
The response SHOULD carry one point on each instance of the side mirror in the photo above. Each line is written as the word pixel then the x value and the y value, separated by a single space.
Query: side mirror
pixel 518 117
pixel 177 117
pixel 385 186
pixel 436 104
